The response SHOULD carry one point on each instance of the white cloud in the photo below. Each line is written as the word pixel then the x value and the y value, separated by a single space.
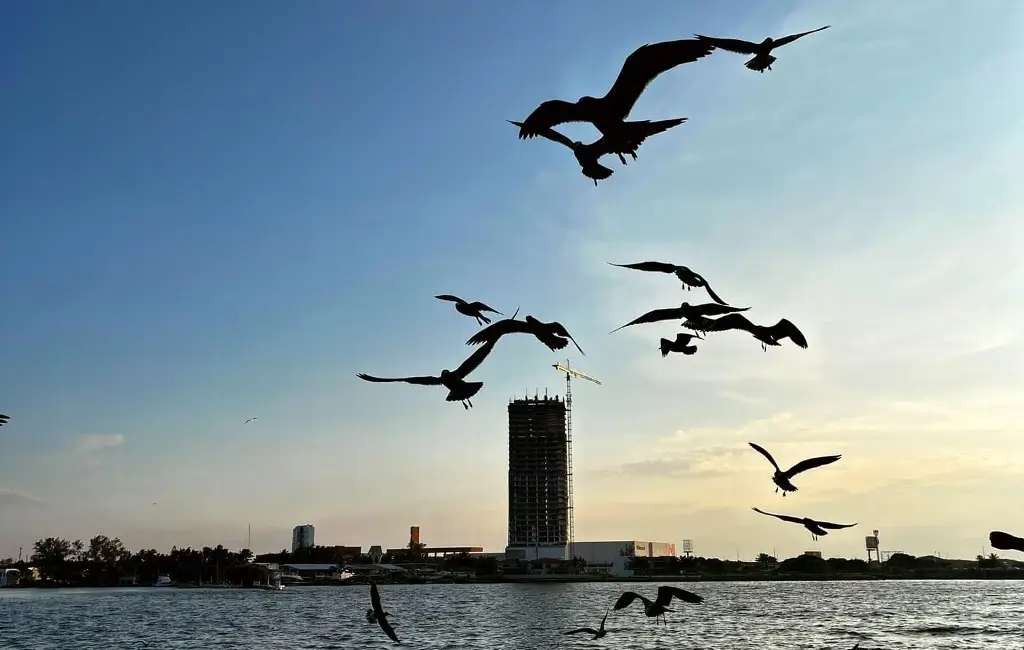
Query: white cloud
pixel 93 443
pixel 13 499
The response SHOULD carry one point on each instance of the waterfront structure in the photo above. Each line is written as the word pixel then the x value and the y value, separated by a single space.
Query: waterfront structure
pixel 604 554
pixel 302 537
pixel 538 479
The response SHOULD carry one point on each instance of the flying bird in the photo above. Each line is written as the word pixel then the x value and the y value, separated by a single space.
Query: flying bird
pixel 782 479
pixel 459 390
pixel 553 334
pixel 379 615
pixel 251 420
pixel 659 606
pixel 763 58
pixel 473 309
pixel 598 633
pixel 816 527
pixel 681 344
pixel 4 419
pixel 685 275
pixel 609 113
pixel 589 155
pixel 685 310
pixel 767 335
pixel 1005 541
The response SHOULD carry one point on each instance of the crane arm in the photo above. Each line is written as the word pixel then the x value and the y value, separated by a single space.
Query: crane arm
pixel 574 373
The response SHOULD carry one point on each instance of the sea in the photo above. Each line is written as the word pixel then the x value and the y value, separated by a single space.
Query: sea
pixel 947 614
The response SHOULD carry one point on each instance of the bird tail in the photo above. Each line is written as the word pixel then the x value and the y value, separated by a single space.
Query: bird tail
pixel 596 172
pixel 690 350
pixel 666 347
pixel 759 63
pixel 465 391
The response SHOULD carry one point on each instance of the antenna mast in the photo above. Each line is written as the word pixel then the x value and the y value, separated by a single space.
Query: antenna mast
pixel 569 374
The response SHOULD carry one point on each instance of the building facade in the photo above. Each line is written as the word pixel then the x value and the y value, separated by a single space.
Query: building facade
pixel 302 537
pixel 538 479
pixel 605 554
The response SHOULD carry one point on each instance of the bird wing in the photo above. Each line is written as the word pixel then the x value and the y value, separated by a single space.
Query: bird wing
pixel 655 316
pixel 479 306
pixel 764 452
pixel 811 463
pixel 714 309
pixel 450 298
pixel 474 360
pixel 786 40
pixel 627 598
pixel 495 331
pixel 667 592
pixel 655 267
pixel 375 599
pixel 829 525
pixel 644 64
pixel 382 621
pixel 550 114
pixel 635 133
pixel 582 629
pixel 711 292
pixel 548 133
pixel 786 328
pixel 604 619
pixel 561 331
pixel 420 381
pixel 729 44
pixel 732 321
pixel 3 420
pixel 1005 541
pixel 782 517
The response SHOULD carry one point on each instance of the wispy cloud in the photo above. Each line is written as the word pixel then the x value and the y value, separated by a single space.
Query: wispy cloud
pixel 12 499
pixel 93 443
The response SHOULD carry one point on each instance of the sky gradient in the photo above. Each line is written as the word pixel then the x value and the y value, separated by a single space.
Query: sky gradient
pixel 213 211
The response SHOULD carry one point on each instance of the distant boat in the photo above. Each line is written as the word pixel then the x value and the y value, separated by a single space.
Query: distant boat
pixel 163 581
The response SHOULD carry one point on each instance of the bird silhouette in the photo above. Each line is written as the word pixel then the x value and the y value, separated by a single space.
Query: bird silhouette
pixel 659 606
pixel 816 527
pixel 473 309
pixel 762 51
pixel 598 633
pixel 681 344
pixel 459 390
pixel 685 275
pixel 4 419
pixel 553 334
pixel 767 335
pixel 379 615
pixel 609 113
pixel 1005 541
pixel 690 312
pixel 251 420
pixel 589 155
pixel 782 479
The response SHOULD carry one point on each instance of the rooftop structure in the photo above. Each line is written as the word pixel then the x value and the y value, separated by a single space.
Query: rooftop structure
pixel 302 537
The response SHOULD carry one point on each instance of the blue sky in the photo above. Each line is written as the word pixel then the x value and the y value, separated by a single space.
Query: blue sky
pixel 213 212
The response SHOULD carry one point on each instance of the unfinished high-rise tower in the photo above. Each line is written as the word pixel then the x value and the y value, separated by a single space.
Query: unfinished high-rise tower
pixel 538 479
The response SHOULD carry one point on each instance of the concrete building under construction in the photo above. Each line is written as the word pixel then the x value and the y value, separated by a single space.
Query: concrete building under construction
pixel 538 479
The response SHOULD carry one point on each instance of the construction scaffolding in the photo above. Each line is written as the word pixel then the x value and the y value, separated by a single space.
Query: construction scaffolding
pixel 538 486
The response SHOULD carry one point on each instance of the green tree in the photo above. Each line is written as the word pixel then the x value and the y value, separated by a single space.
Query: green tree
pixel 766 561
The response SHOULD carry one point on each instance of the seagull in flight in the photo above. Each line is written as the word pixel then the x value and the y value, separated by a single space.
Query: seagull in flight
pixel 4 419
pixel 680 344
pixel 657 608
pixel 692 313
pixel 817 528
pixel 767 335
pixel 472 309
pixel 763 58
pixel 379 615
pixel 685 275
pixel 598 633
pixel 782 479
pixel 553 334
pixel 251 420
pixel 459 390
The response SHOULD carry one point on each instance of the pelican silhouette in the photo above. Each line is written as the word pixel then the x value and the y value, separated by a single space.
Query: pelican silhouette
pixel 589 155
pixel 685 310
pixel 459 390
pixel 782 479
pixel 817 528
pixel 379 615
pixel 681 344
pixel 609 113
pixel 1005 541
pixel 598 633
pixel 685 275
pixel 4 419
pixel 553 334
pixel 762 51
pixel 767 335
pixel 472 309
pixel 659 606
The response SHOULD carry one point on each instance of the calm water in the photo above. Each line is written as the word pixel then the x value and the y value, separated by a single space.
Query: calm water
pixel 736 616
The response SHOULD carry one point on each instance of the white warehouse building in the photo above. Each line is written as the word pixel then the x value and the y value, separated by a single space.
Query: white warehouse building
pixel 612 557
